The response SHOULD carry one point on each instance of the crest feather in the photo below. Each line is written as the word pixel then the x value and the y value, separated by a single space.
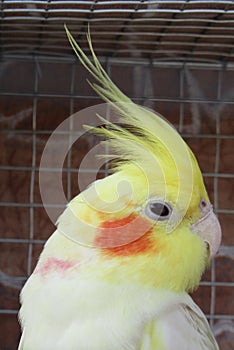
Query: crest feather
pixel 143 135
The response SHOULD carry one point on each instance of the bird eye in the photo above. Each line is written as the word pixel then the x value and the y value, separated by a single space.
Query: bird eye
pixel 158 210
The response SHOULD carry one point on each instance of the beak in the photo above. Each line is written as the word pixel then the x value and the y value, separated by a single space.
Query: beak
pixel 208 228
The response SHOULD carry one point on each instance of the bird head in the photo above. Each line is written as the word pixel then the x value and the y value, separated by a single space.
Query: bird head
pixel 151 221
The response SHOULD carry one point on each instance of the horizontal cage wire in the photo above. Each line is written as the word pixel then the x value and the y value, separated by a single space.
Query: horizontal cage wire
pixel 166 30
pixel 176 57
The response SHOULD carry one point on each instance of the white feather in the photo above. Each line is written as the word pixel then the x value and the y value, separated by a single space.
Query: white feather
pixel 90 315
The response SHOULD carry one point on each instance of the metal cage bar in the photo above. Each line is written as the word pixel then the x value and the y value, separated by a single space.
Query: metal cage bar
pixel 141 39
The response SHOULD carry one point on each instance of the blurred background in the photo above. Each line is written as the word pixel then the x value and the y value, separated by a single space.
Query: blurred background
pixel 176 57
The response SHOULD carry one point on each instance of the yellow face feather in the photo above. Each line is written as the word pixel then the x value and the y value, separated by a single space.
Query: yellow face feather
pixel 154 166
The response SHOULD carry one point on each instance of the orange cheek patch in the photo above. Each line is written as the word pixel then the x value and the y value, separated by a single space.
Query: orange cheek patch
pixel 127 236
pixel 54 264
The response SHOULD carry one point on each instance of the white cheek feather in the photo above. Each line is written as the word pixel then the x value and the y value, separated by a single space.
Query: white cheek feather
pixel 88 315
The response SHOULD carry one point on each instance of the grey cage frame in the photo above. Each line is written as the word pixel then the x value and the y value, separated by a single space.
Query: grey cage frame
pixel 148 41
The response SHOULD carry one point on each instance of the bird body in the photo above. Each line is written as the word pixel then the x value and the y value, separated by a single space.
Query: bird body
pixel 117 271
pixel 100 315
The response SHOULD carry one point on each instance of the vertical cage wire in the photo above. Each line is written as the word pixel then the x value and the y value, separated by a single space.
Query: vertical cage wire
pixel 34 244
pixel 174 57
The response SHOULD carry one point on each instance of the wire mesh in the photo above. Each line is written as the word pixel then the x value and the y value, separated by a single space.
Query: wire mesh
pixel 183 68
pixel 180 30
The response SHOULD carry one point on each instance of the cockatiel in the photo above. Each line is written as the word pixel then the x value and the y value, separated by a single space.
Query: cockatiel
pixel 149 233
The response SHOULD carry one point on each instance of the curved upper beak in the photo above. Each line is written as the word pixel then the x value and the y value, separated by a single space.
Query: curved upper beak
pixel 208 228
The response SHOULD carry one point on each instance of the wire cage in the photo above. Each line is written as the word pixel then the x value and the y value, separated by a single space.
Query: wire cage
pixel 176 57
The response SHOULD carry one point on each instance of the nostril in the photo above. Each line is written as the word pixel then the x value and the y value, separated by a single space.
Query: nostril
pixel 203 204
pixel 207 247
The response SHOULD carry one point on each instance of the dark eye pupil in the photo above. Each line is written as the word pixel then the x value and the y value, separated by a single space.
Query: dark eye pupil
pixel 159 209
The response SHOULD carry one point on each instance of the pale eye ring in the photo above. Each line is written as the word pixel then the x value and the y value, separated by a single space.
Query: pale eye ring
pixel 157 209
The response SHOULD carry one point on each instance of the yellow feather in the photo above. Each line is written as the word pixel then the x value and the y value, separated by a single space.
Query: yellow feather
pixel 130 295
pixel 145 140
pixel 154 161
